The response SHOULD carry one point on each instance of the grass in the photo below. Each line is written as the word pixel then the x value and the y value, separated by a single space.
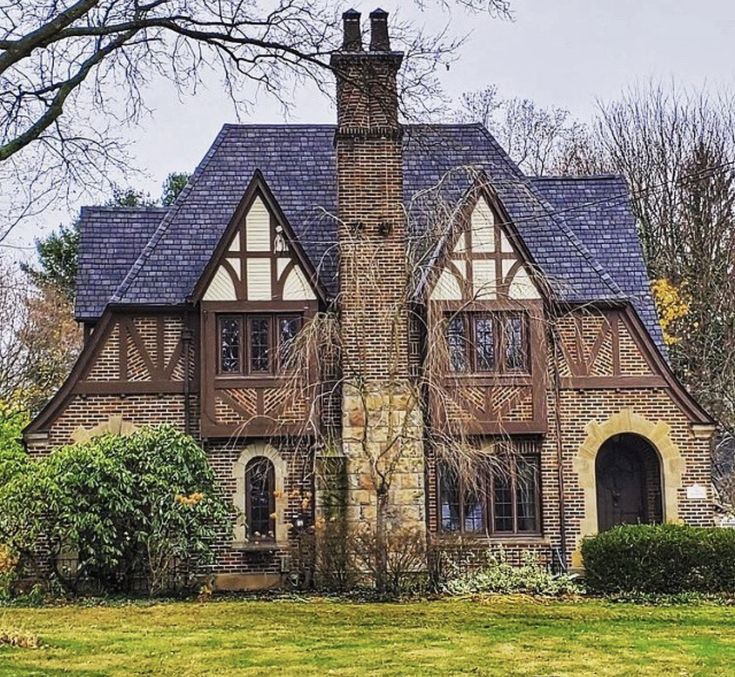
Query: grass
pixel 496 636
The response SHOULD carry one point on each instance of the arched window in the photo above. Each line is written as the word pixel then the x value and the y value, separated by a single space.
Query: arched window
pixel 260 501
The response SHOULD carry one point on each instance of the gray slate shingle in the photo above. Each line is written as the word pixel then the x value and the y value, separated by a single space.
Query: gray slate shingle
pixel 111 239
pixel 298 163
pixel 598 210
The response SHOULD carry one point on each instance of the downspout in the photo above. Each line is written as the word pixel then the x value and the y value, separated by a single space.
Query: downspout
pixel 186 339
pixel 559 452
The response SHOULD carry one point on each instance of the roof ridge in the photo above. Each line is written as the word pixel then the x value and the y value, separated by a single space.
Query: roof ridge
pixel 556 218
pixel 132 274
pixel 578 177
pixel 123 208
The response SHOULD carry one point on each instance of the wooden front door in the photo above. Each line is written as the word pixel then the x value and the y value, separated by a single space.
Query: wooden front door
pixel 621 483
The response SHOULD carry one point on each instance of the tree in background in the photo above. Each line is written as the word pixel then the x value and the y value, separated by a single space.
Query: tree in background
pixel 58 252
pixel 74 73
pixel 39 339
pixel 676 149
pixel 536 138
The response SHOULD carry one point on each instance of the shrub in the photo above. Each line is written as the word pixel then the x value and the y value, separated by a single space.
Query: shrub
pixel 660 559
pixel 145 505
pixel 13 457
pixel 498 575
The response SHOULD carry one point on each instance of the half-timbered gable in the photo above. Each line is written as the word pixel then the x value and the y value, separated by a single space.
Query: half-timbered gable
pixel 485 311
pixel 129 359
pixel 255 295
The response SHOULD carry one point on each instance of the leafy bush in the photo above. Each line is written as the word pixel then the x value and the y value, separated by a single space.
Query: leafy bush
pixel 13 457
pixel 145 505
pixel 660 559
pixel 498 575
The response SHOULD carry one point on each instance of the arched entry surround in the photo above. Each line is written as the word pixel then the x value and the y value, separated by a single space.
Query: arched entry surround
pixel 657 433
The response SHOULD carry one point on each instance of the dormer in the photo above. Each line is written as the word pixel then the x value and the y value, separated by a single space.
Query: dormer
pixel 256 295
pixel 485 318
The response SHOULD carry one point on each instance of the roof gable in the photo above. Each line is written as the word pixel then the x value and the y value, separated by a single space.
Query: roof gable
pixel 484 259
pixel 258 258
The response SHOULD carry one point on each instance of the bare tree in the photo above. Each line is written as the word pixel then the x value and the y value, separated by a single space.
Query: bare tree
pixel 538 139
pixel 39 340
pixel 73 73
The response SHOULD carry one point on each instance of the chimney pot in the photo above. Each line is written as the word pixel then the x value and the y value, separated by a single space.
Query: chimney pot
pixel 352 36
pixel 379 40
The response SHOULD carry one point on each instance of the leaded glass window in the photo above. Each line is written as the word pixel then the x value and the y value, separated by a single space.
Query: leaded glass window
pixel 457 343
pixel 256 344
pixel 230 344
pixel 503 498
pixel 259 335
pixel 485 342
pixel 260 498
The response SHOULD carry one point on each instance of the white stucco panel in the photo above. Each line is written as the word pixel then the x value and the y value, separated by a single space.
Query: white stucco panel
pixel 484 284
pixel 447 288
pixel 296 287
pixel 258 227
pixel 221 287
pixel 259 279
pixel 483 228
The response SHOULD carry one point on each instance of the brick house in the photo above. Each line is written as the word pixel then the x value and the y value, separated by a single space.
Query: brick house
pixel 473 303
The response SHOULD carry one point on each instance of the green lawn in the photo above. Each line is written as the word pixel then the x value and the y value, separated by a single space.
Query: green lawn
pixel 499 636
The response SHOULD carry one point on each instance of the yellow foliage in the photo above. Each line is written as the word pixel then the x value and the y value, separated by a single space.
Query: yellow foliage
pixel 189 501
pixel 672 302
pixel 8 559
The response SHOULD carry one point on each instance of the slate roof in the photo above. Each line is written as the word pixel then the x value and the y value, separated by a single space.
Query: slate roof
pixel 111 239
pixel 298 163
pixel 598 210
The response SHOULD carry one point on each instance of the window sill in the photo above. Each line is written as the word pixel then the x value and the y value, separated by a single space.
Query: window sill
pixel 251 546
pixel 510 539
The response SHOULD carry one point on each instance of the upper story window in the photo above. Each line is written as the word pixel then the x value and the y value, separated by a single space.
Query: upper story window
pixel 255 344
pixel 488 342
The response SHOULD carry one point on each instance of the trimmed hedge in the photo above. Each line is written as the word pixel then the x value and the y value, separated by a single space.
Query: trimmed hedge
pixel 660 559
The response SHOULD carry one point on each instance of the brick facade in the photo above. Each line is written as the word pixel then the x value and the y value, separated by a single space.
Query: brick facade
pixel 596 373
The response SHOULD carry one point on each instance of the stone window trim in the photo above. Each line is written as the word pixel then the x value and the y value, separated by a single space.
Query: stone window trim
pixel 280 466
pixel 657 433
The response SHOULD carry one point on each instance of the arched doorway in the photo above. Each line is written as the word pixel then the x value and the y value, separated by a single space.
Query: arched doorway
pixel 628 478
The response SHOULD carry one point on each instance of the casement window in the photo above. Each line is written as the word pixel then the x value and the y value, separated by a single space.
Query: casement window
pixel 495 342
pixel 255 345
pixel 504 501
pixel 260 501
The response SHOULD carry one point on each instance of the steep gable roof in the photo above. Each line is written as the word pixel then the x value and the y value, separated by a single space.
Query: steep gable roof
pixel 298 163
pixel 598 210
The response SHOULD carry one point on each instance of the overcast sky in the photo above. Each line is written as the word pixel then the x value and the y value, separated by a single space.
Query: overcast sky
pixel 566 53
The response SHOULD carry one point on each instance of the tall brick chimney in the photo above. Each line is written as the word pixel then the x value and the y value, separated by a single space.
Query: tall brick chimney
pixel 381 415
pixel 370 186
